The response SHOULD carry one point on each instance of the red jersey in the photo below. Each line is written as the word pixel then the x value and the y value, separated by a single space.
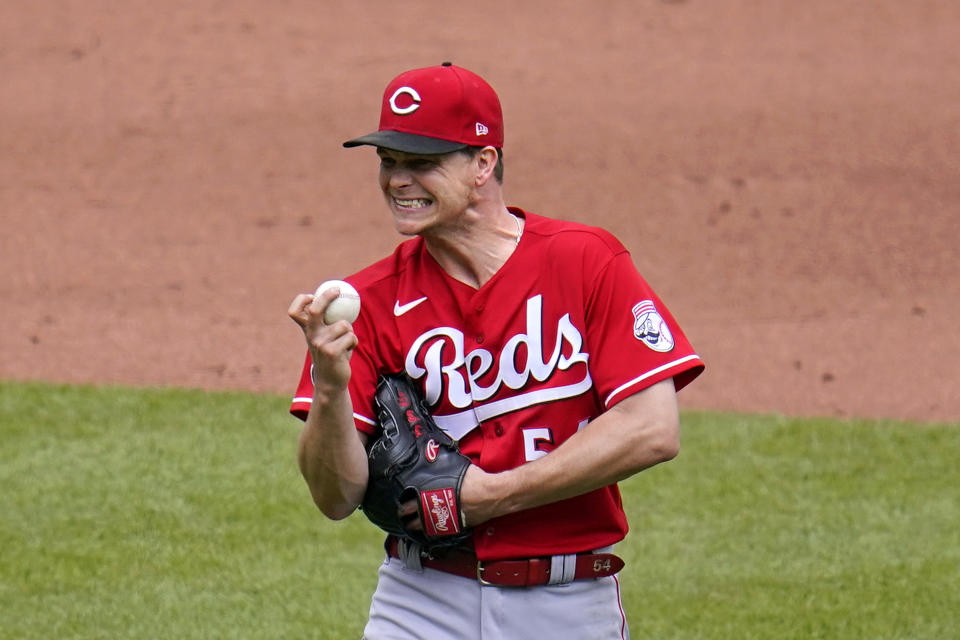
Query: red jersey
pixel 565 329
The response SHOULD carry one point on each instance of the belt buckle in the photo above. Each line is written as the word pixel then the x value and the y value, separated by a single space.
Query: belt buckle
pixel 480 578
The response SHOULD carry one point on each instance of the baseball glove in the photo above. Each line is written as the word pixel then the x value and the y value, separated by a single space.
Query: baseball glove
pixel 413 459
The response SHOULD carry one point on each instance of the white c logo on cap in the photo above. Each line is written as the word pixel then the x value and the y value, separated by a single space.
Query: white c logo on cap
pixel 410 91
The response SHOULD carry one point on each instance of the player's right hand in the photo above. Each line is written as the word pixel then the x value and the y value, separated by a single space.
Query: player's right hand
pixel 330 345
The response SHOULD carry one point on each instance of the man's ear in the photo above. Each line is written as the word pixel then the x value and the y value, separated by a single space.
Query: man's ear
pixel 486 160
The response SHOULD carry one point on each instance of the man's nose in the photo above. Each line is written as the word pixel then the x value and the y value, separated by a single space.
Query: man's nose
pixel 399 177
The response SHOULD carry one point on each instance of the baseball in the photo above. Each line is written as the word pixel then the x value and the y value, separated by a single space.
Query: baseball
pixel 346 306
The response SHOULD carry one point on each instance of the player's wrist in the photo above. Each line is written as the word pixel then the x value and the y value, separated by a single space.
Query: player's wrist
pixel 484 495
pixel 329 384
pixel 326 392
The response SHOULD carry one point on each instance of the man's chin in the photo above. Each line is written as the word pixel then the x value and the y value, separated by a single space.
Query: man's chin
pixel 407 225
pixel 406 229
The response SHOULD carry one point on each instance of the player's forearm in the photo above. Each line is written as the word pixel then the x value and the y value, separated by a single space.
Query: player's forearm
pixel 332 456
pixel 600 455
pixel 637 434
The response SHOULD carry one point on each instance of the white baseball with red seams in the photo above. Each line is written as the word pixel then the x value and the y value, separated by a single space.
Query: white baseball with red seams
pixel 345 306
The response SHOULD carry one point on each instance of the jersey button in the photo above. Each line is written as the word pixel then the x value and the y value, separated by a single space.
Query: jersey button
pixel 498 429
pixel 490 531
pixel 480 339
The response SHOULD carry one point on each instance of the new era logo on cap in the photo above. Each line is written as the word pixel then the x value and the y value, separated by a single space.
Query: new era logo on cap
pixel 437 110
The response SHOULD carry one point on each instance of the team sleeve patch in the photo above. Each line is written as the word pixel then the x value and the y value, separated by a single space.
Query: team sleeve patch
pixel 650 328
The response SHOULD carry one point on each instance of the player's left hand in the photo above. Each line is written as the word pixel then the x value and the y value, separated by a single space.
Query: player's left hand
pixel 476 503
pixel 413 459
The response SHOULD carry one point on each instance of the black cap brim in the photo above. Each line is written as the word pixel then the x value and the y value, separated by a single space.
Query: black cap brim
pixel 406 142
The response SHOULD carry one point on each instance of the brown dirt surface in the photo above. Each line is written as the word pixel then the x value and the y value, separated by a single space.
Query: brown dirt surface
pixel 785 174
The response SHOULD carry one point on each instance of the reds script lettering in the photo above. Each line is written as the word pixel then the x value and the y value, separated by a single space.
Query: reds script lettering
pixel 464 370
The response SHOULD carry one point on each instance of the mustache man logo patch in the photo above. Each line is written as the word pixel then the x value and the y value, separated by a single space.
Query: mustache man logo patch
pixel 650 328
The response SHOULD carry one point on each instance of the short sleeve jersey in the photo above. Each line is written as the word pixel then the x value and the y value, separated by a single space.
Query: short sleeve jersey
pixel 566 329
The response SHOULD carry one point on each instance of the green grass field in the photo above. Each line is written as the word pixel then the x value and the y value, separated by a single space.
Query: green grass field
pixel 181 514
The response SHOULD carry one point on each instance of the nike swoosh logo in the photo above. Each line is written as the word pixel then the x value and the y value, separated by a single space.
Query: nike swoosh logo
pixel 400 309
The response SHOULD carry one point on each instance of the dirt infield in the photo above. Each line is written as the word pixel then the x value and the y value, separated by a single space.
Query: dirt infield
pixel 785 174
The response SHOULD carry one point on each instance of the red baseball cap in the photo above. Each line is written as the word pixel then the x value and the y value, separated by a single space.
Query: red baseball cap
pixel 437 110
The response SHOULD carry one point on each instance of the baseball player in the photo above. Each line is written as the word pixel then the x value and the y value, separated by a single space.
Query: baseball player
pixel 539 349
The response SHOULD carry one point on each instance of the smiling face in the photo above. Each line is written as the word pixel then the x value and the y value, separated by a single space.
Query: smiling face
pixel 426 193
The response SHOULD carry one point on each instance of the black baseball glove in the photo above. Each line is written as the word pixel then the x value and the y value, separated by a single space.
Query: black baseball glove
pixel 413 459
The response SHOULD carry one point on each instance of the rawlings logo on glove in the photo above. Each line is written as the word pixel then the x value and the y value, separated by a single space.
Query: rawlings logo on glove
pixel 440 520
pixel 413 459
